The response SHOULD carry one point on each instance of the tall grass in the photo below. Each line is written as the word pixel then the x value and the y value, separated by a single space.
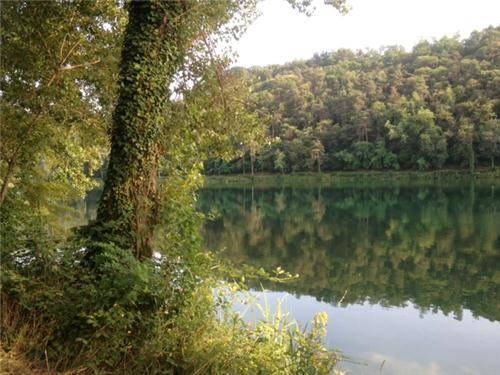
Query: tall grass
pixel 138 318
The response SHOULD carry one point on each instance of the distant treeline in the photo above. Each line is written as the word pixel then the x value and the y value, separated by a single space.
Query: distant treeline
pixel 436 106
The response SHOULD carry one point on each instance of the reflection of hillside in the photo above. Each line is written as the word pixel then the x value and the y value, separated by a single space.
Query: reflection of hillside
pixel 438 248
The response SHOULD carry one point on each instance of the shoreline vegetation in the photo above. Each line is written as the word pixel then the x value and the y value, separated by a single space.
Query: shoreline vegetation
pixel 344 177
pixel 140 93
pixel 131 292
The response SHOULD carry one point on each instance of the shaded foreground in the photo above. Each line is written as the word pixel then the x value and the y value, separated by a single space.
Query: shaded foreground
pixel 135 316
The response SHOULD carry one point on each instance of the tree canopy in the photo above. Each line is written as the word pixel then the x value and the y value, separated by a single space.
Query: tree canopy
pixel 433 107
pixel 132 291
pixel 58 74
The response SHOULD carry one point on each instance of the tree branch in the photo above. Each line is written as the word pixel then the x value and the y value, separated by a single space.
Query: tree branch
pixel 71 67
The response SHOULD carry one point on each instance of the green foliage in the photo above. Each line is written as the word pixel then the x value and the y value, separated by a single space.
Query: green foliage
pixel 227 345
pixel 155 316
pixel 58 73
pixel 279 161
pixel 95 318
pixel 433 107
pixel 381 158
pixel 175 102
pixel 99 301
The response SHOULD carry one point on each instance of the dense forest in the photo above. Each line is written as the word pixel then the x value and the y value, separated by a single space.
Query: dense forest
pixel 436 106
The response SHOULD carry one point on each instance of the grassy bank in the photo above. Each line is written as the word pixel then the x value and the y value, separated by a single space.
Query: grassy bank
pixel 399 178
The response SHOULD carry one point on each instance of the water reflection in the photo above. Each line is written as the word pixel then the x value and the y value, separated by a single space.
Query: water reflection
pixel 438 248
pixel 420 266
pixel 398 339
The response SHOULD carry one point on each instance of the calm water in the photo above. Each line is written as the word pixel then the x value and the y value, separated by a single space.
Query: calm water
pixel 418 268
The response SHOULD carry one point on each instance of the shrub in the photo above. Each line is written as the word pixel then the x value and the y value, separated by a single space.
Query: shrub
pixel 129 316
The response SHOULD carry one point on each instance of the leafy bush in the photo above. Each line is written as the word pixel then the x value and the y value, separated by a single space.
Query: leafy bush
pixel 117 314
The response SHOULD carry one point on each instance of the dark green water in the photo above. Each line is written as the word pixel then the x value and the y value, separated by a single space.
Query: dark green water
pixel 418 268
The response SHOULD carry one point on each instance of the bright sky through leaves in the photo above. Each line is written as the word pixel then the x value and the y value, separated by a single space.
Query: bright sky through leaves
pixel 282 34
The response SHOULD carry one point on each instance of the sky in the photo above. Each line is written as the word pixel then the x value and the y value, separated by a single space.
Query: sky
pixel 282 34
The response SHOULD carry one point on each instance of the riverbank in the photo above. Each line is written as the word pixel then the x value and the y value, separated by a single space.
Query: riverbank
pixel 371 178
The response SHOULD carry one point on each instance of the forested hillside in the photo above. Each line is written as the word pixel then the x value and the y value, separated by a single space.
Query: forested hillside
pixel 434 107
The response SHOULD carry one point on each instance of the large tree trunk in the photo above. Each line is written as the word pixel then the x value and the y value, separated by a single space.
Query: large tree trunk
pixel 153 50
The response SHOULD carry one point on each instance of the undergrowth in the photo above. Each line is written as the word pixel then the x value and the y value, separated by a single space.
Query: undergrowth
pixel 120 315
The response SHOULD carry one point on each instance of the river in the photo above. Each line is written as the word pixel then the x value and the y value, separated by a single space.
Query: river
pixel 409 276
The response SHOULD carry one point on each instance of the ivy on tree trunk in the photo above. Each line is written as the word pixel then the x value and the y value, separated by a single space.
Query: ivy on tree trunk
pixel 153 50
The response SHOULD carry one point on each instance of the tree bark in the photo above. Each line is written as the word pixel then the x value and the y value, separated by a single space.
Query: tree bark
pixel 153 50
pixel 6 180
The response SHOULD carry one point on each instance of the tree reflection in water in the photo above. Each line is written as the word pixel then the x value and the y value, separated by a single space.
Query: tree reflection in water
pixel 435 247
